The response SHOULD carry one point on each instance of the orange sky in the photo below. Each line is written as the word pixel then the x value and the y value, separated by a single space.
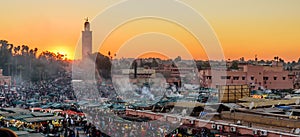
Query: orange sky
pixel 244 28
pixel 165 37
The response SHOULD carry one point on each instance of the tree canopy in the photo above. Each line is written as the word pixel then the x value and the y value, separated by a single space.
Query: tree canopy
pixel 23 63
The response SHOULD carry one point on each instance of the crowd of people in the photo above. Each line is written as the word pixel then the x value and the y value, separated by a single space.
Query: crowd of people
pixel 97 123
pixel 131 126
pixel 55 91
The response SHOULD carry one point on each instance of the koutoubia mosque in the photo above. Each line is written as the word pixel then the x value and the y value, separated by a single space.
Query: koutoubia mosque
pixel 86 40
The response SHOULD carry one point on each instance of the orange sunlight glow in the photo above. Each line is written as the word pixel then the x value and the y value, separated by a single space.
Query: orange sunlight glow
pixel 62 50
pixel 153 55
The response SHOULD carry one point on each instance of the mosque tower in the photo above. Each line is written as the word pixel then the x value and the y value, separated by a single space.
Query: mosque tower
pixel 86 40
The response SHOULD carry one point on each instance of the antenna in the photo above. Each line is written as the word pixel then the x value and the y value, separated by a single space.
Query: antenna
pixel 251 105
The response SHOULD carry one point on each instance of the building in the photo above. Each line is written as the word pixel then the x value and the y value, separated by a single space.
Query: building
pixel 295 70
pixel 256 76
pixel 84 69
pixel 4 80
pixel 141 73
pixel 86 40
pixel 140 76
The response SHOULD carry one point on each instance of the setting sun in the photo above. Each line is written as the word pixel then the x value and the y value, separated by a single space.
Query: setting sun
pixel 62 50
pixel 150 68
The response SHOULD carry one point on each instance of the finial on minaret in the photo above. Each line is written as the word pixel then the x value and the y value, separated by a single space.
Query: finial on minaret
pixel 87 24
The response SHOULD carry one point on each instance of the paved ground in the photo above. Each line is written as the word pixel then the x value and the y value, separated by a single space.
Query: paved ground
pixel 81 134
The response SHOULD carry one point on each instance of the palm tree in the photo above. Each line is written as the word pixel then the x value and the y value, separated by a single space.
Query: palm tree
pixel 276 58
pixel 35 51
pixel 17 49
pixel 3 43
pixel 109 53
pixel 25 49
pixel 31 52
pixel 11 46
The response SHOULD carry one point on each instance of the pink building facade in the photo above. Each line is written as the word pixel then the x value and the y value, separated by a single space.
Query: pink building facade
pixel 256 76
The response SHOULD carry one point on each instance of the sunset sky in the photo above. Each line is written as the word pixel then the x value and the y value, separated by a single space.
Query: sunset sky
pixel 265 28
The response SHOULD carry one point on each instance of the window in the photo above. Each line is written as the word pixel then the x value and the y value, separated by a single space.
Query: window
pixel 283 78
pixel 208 77
pixel 225 77
pixel 266 78
pixel 252 78
pixel 236 78
pixel 275 78
pixel 243 78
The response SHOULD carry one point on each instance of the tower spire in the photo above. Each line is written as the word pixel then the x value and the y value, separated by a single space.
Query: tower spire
pixel 86 39
pixel 87 24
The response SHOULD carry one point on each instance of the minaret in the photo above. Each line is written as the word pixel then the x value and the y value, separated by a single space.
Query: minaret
pixel 86 40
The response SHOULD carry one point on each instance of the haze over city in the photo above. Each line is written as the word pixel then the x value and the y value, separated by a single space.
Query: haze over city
pixel 169 68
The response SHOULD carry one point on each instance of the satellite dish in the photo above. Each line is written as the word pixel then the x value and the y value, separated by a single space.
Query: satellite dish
pixel 231 109
pixel 251 105
pixel 288 97
pixel 297 102
pixel 297 131
pixel 184 112
pixel 172 110
pixel 179 119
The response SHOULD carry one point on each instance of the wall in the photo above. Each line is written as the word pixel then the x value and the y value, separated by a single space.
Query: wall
pixel 252 75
